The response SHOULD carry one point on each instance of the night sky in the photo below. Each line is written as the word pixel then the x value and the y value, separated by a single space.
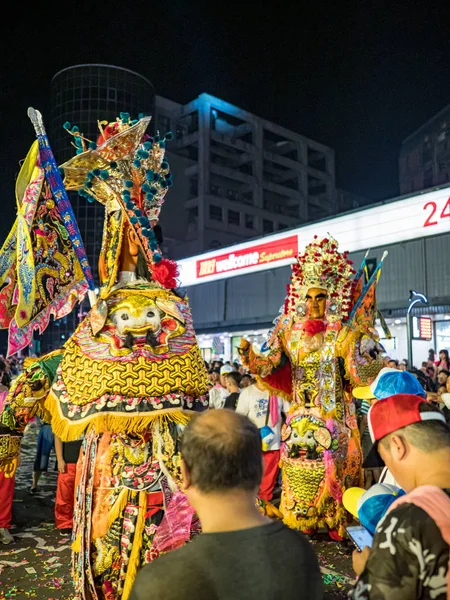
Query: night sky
pixel 357 76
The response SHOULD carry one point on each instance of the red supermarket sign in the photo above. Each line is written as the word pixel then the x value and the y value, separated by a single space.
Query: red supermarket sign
pixel 252 256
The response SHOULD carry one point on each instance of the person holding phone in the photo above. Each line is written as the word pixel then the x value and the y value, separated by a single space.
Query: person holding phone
pixel 360 536
pixel 409 558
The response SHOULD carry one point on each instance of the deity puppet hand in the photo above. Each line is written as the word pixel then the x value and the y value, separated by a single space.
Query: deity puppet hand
pixel 244 347
pixel 369 347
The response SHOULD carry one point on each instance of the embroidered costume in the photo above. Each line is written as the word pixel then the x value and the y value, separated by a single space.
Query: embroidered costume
pixel 322 345
pixel 128 378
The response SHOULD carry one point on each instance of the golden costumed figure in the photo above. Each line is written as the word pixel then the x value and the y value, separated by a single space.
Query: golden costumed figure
pixel 132 373
pixel 322 345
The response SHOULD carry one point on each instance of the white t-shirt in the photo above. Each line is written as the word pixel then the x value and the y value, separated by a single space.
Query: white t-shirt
pixel 387 477
pixel 253 404
pixel 217 396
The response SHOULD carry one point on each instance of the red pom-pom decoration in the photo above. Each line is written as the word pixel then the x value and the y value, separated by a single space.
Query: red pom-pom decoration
pixel 166 272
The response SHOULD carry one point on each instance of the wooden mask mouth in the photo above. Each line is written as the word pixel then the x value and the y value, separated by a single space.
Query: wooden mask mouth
pixel 149 339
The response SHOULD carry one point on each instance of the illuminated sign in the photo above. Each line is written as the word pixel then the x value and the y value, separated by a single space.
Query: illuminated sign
pixel 422 328
pixel 260 254
pixel 392 222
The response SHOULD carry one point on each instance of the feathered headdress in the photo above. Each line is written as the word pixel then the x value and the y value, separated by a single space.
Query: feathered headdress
pixel 126 171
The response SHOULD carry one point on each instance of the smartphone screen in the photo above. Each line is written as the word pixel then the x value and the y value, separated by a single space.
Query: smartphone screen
pixel 360 536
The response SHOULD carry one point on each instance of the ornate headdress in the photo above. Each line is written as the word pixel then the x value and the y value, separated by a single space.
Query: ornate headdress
pixel 322 266
pixel 125 170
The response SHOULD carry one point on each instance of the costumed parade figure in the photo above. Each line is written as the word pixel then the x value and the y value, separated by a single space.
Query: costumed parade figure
pixel 131 374
pixel 322 345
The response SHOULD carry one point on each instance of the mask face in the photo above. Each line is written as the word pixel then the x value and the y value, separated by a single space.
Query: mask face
pixel 142 322
pixel 136 315
pixel 316 302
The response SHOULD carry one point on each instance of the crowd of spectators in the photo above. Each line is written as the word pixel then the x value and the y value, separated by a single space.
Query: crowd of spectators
pixel 227 461
pixel 433 375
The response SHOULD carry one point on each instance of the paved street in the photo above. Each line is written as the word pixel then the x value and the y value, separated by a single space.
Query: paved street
pixel 38 564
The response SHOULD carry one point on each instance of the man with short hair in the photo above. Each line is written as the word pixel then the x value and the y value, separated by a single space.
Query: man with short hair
pixel 241 554
pixel 232 381
pixel 388 382
pixel 410 552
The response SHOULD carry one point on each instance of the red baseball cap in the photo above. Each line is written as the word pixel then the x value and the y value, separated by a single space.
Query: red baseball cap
pixel 391 414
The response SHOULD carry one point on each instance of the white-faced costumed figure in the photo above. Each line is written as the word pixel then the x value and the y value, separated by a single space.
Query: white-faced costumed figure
pixel 130 376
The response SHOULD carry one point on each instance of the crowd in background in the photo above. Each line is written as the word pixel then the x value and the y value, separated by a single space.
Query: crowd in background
pixel 236 527
pixel 433 375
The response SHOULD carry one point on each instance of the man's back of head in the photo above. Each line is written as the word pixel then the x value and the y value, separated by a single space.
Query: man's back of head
pixel 222 452
pixel 233 380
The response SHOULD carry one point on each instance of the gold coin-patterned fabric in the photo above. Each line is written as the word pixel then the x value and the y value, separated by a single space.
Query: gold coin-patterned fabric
pixel 303 481
pixel 86 378
pixel 9 446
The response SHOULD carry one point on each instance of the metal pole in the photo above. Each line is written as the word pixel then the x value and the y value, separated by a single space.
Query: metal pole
pixel 409 338
pixel 414 298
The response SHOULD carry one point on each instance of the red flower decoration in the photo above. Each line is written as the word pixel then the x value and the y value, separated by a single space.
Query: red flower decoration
pixel 165 272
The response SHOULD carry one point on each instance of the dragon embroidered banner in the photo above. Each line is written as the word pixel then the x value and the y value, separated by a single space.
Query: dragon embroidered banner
pixel 39 270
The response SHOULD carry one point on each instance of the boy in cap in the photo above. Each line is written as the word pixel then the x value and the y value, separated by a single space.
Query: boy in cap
pixel 389 382
pixel 410 552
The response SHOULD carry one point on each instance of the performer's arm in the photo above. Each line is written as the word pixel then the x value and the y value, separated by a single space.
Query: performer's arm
pixel 59 455
pixel 262 363
pixel 362 356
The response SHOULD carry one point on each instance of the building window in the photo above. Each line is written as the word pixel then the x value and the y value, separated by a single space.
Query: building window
pixel 428 178
pixel 282 226
pixel 267 226
pixel 234 218
pixel 193 187
pixel 427 152
pixel 249 222
pixel 163 124
pixel 215 212
pixel 193 214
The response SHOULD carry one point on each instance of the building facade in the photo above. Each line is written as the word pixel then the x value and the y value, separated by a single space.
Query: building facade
pixel 237 291
pixel 83 95
pixel 238 176
pixel 424 160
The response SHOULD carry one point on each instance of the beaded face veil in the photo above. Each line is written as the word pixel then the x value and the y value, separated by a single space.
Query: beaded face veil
pixel 321 266
pixel 126 171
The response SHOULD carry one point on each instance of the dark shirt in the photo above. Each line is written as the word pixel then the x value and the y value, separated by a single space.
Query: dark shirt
pixel 231 400
pixel 71 451
pixel 269 562
pixel 408 560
